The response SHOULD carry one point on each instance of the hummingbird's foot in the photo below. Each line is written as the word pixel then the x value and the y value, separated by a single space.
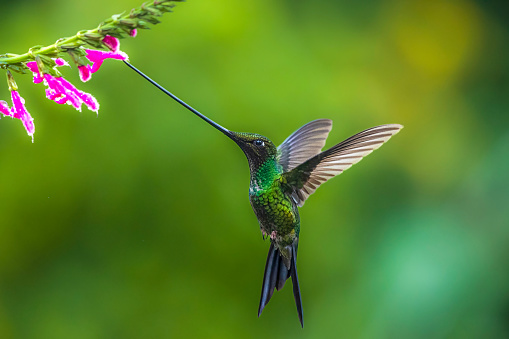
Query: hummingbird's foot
pixel 273 235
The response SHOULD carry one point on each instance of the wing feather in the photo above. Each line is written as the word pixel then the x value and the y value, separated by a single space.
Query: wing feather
pixel 303 144
pixel 305 178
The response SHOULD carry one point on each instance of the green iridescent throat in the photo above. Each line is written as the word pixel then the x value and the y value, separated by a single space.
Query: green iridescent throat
pixel 264 176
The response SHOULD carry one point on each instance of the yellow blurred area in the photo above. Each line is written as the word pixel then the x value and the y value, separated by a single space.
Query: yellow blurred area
pixel 437 38
pixel 136 223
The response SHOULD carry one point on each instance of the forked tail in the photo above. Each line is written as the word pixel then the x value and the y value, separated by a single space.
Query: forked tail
pixel 275 275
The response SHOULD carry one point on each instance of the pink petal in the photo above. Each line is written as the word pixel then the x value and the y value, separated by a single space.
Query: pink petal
pixel 20 112
pixel 90 101
pixel 133 33
pixel 57 90
pixel 61 62
pixel 111 42
pixel 96 65
pixel 56 97
pixel 97 57
pixel 32 65
pixel 86 98
pixel 4 109
pixel 85 73
pixel 62 91
pixel 51 94
pixel 61 100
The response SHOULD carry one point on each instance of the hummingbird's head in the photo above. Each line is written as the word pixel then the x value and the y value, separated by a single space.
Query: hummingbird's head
pixel 256 147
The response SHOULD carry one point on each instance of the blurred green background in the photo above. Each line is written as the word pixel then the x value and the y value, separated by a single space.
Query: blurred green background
pixel 137 224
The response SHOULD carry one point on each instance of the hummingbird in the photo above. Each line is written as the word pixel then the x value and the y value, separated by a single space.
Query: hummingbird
pixel 283 177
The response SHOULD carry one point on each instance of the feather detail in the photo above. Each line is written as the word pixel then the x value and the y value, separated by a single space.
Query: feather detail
pixel 303 144
pixel 304 179
pixel 276 273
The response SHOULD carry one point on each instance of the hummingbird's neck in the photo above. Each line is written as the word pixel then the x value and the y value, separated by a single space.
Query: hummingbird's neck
pixel 263 174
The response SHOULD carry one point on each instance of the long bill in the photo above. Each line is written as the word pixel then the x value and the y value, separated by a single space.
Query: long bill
pixel 227 132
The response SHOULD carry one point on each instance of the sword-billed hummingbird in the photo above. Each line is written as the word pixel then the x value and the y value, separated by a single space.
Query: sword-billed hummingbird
pixel 283 177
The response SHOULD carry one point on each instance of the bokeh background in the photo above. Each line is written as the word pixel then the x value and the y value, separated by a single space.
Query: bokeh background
pixel 136 223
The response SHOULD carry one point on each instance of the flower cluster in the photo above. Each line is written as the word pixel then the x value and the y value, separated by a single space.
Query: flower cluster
pixel 44 61
pixel 58 88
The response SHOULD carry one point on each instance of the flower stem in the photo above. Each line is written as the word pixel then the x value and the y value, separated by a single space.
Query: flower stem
pixel 119 26
pixel 30 56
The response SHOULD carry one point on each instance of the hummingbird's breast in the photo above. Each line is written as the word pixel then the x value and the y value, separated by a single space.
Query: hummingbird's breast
pixel 276 212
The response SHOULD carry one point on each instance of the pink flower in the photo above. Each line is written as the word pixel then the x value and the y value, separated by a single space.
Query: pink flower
pixel 97 57
pixel 57 92
pixel 4 109
pixel 86 98
pixel 85 73
pixel 32 65
pixel 112 43
pixel 133 33
pixel 19 111
pixel 62 91
pixel 61 62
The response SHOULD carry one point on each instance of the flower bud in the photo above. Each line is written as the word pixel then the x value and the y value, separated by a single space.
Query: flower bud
pixel 10 80
pixel 93 36
pixel 128 22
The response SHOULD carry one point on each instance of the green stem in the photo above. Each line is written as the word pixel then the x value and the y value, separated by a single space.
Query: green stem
pixel 51 49
pixel 117 25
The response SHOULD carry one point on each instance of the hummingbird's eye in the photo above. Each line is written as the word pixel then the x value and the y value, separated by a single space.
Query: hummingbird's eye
pixel 259 143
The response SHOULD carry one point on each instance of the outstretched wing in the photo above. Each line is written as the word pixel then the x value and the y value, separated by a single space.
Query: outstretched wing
pixel 303 144
pixel 304 179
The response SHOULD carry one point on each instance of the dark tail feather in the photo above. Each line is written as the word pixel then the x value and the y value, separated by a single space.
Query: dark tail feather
pixel 286 274
pixel 268 277
pixel 275 275
pixel 295 283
